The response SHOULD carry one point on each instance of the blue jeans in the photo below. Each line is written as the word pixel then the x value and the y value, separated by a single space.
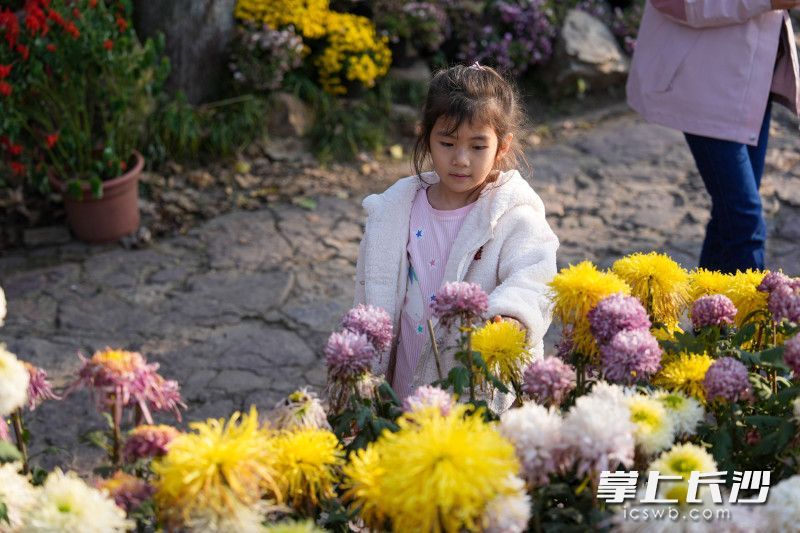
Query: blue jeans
pixel 731 171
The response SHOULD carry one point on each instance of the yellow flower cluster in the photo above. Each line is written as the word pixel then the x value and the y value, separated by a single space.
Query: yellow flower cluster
pixel 438 473
pixel 684 373
pixel 741 288
pixel 352 50
pixel 502 345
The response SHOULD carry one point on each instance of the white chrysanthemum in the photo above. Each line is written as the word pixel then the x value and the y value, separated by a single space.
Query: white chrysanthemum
pixel 2 306
pixel 655 429
pixel 510 513
pixel 67 504
pixel 686 412
pixel 14 380
pixel 243 519
pixel 781 511
pixel 17 494
pixel 604 391
pixel 535 432
pixel 598 432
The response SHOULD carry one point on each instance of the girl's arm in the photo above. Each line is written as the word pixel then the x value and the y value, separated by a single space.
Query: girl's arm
pixel 527 263
pixel 710 13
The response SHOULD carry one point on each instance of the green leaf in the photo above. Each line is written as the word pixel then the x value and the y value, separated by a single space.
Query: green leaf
pixel 459 377
pixel 9 453
pixel 97 187
pixel 362 416
pixel 721 444
pixel 773 357
pixel 763 421
pixel 787 395
pixel 306 203
pixel 744 334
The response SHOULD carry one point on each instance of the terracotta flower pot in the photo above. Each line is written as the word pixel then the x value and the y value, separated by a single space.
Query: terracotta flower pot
pixel 111 217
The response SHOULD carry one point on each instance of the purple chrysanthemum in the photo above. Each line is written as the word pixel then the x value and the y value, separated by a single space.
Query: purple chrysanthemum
pixel 791 354
pixel 548 380
pixel 566 344
pixel 373 322
pixel 459 299
pixel 631 356
pixel 617 313
pixel 726 379
pixel 773 280
pixel 127 491
pixel 348 355
pixel 429 396
pixel 148 441
pixel 39 388
pixel 713 310
pixel 784 302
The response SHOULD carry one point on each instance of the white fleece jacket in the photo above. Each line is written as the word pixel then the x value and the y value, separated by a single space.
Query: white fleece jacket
pixel 517 260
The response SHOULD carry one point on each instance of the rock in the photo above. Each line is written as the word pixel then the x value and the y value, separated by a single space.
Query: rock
pixel 201 179
pixel 45 236
pixel 586 50
pixel 287 149
pixel 288 116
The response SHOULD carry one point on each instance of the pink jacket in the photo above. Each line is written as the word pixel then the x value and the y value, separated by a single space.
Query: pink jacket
pixel 707 67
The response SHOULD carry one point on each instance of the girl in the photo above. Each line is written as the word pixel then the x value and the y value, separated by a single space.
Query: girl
pixel 472 218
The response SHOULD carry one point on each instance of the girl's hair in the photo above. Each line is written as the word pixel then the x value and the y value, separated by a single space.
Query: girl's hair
pixel 475 94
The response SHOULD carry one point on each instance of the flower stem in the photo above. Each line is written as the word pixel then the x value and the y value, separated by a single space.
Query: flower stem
pixel 435 349
pixel 469 361
pixel 116 415
pixel 16 417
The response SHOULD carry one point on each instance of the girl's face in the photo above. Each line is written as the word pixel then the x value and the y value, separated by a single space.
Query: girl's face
pixel 465 158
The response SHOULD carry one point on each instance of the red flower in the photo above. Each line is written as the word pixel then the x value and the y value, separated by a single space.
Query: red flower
pixel 108 44
pixel 17 168
pixel 23 51
pixel 5 88
pixel 35 20
pixel 5 70
pixel 56 17
pixel 15 149
pixel 92 3
pixel 8 20
pixel 72 29
pixel 123 165
pixel 122 24
pixel 51 139
pixel 76 14
pixel 51 47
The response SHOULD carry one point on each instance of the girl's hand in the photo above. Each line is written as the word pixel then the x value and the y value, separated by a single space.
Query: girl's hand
pixel 498 318
pixel 785 4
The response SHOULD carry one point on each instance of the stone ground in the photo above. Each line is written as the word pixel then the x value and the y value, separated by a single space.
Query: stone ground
pixel 238 308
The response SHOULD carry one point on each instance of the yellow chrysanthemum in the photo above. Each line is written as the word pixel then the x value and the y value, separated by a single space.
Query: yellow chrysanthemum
pixel 306 526
pixel 685 373
pixel 217 468
pixel 575 291
pixel 308 461
pixel 655 429
pixel 743 292
pixel 660 283
pixel 682 460
pixel 502 345
pixel 703 282
pixel 362 484
pixel 439 473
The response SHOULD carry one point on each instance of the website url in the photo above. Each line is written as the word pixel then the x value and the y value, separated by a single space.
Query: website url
pixel 675 514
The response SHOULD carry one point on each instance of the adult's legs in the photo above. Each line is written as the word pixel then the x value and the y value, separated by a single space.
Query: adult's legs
pixel 731 172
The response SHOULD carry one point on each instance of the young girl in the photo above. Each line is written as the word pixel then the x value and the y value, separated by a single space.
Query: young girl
pixel 472 218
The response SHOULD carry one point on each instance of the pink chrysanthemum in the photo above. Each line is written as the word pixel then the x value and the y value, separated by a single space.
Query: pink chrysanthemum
pixel 127 491
pixel 459 300
pixel 120 378
pixel 148 441
pixel 617 313
pixel 373 322
pixel 549 380
pixel 726 379
pixel 773 280
pixel 429 396
pixel 791 354
pixel 713 310
pixel 631 356
pixel 39 388
pixel 784 302
pixel 348 355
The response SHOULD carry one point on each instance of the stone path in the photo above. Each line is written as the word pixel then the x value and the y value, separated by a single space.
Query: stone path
pixel 238 309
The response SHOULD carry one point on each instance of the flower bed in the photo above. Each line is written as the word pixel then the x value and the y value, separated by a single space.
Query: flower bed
pixel 659 370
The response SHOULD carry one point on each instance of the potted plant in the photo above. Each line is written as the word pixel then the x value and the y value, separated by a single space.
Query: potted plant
pixel 76 88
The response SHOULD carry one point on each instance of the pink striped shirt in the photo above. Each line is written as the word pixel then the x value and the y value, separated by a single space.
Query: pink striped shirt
pixel 430 238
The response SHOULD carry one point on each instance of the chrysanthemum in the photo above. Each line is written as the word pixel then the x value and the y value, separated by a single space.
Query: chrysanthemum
pixel 617 313
pixel 14 379
pixel 712 310
pixel 508 513
pixel 784 302
pixel 301 409
pixel 373 322
pixel 126 378
pixel 682 460
pixel 459 300
pixel 660 283
pixel 727 380
pixel 216 468
pixel 548 380
pixel 67 504
pixel 631 356
pixel 2 307
pixel 502 345
pixel 791 354
pixel 773 280
pixel 704 282
pixel 307 461
pixel 240 518
pixel 348 355
pixel 575 291
pixel 305 526
pixel 686 412
pixel 781 511
pixel 127 491
pixel 598 432
pixel 39 388
pixel 743 292
pixel 17 494
pixel 685 373
pixel 535 432
pixel 148 441
pixel 438 472
pixel 362 478
pixel 426 397
pixel 655 429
